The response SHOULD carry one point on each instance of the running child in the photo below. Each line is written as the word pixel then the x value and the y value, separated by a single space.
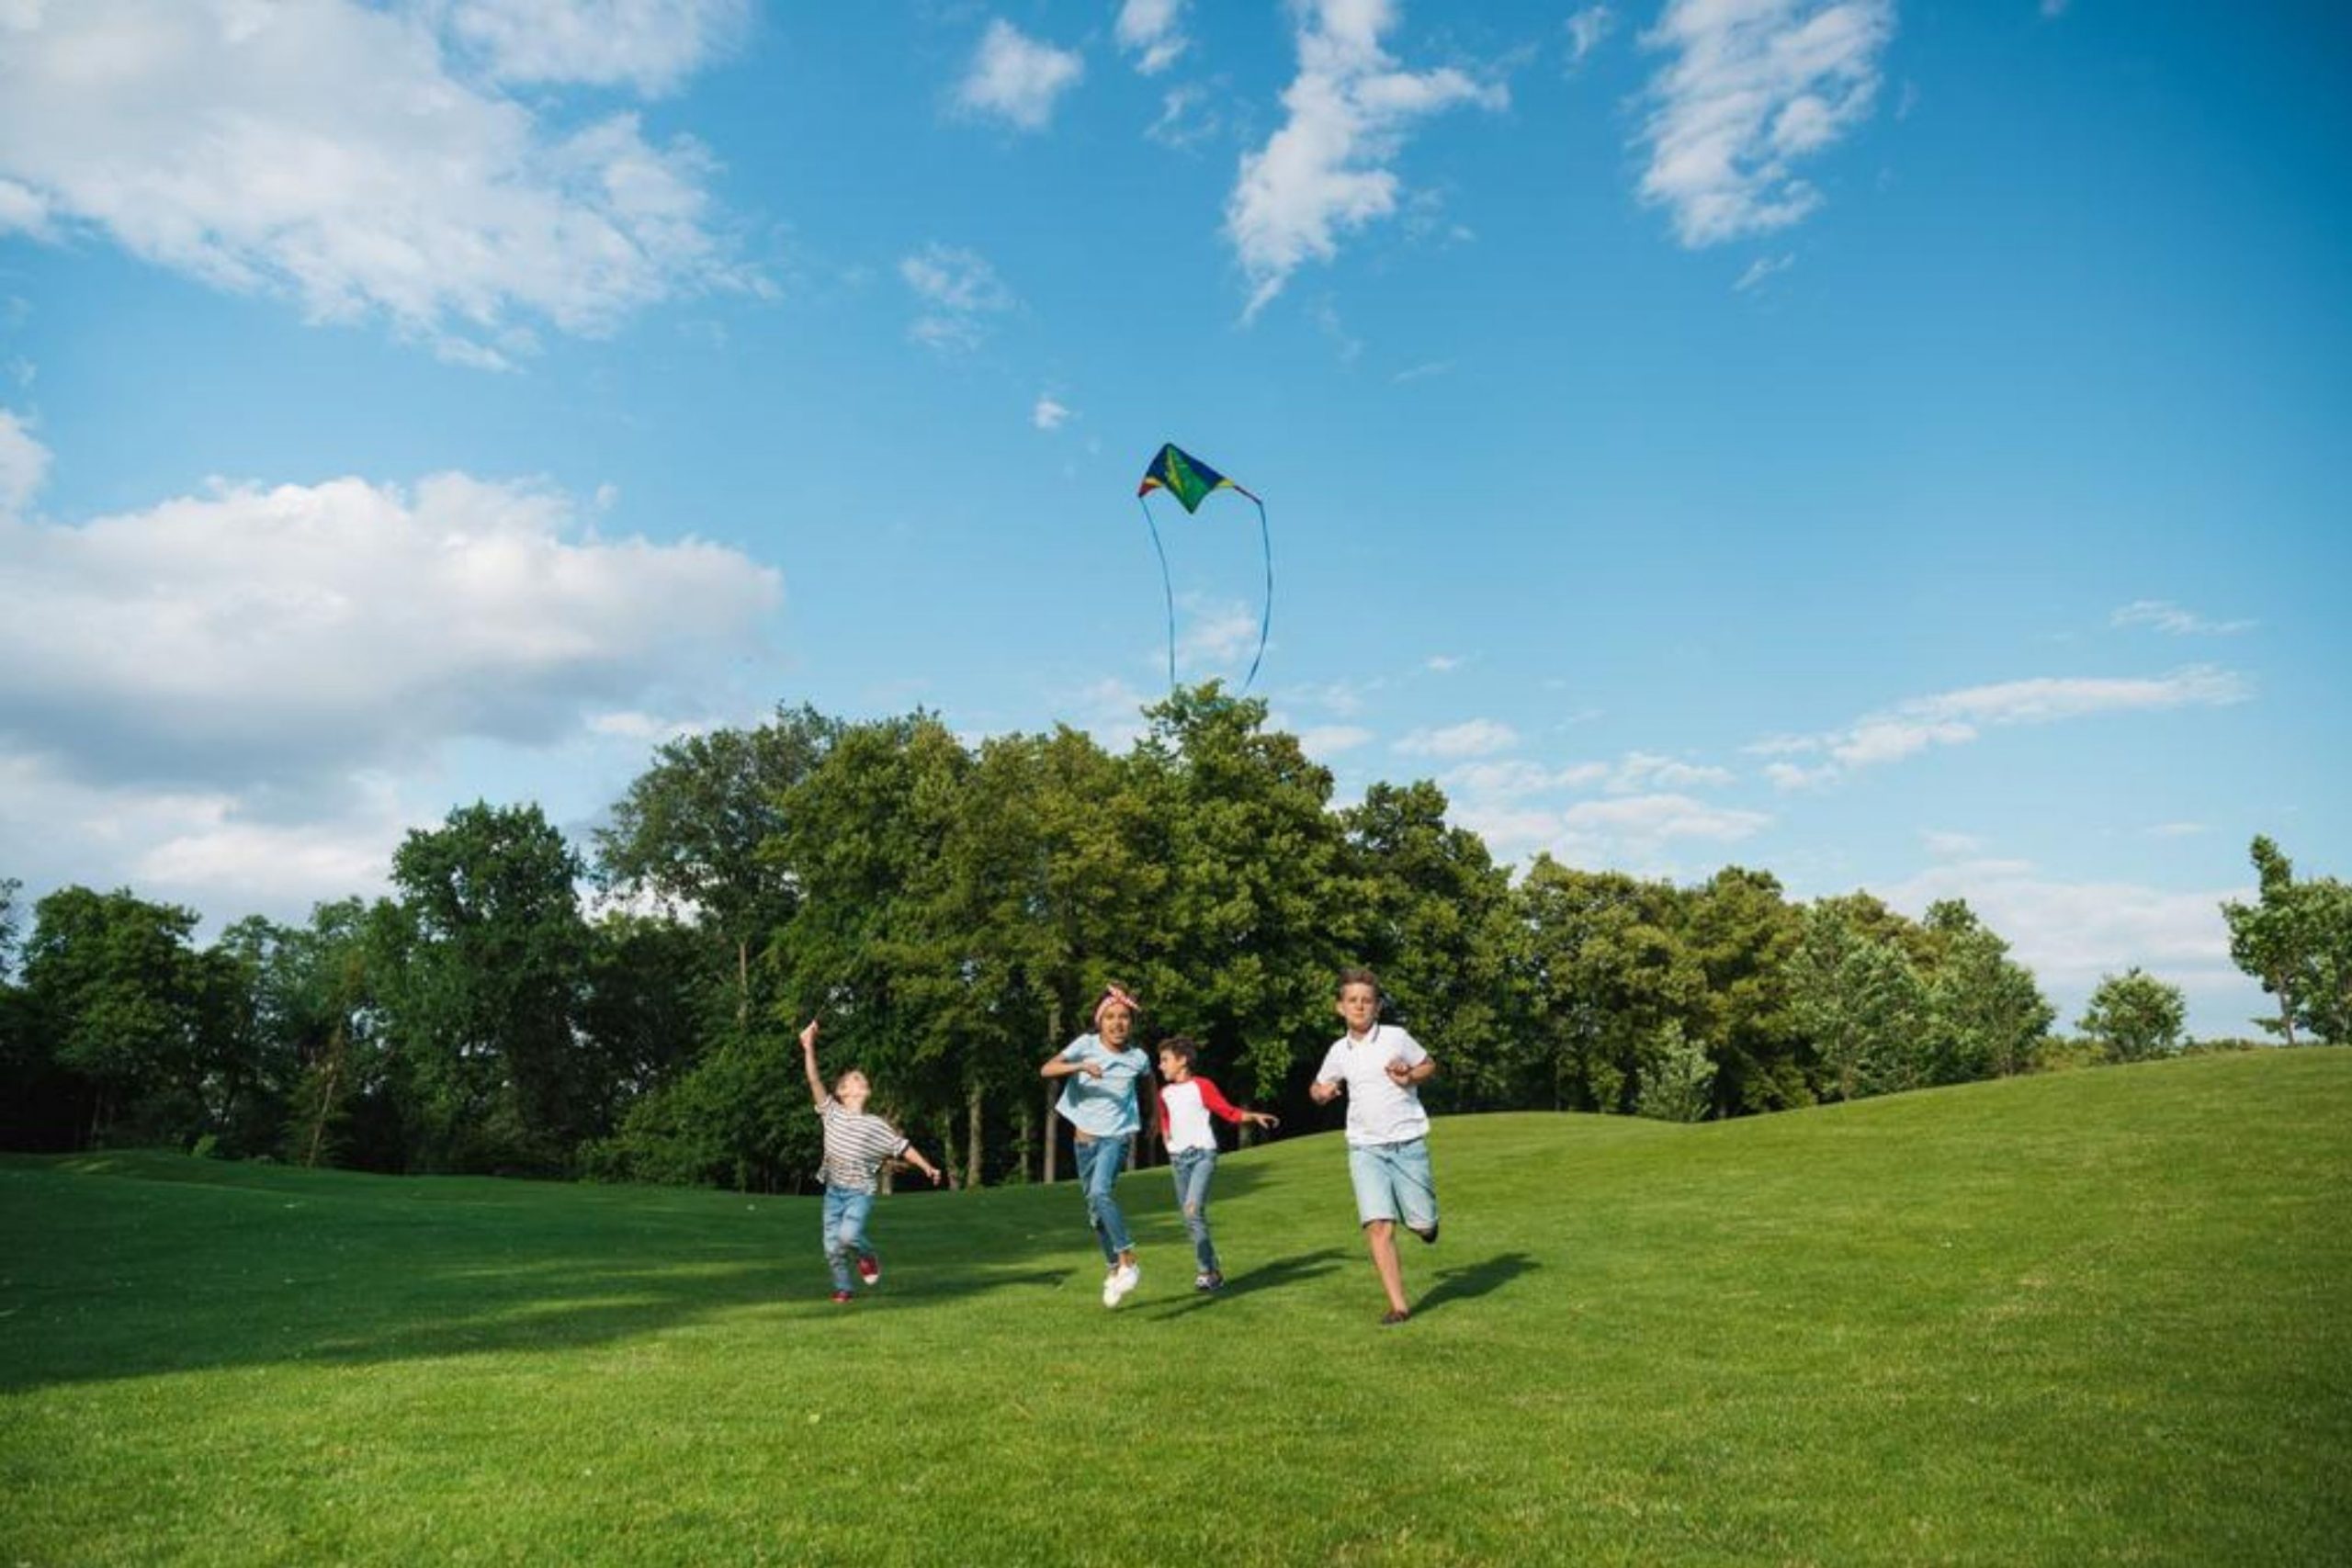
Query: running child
pixel 1379 1067
pixel 1186 1102
pixel 1098 1100
pixel 855 1146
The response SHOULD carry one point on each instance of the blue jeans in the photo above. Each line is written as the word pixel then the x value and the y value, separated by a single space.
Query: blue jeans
pixel 1192 1168
pixel 1099 1160
pixel 845 1214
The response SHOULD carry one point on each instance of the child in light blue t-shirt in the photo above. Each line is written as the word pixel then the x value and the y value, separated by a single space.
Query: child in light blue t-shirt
pixel 1100 1072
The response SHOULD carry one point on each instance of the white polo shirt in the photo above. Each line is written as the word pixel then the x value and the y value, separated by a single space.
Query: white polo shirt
pixel 1380 1111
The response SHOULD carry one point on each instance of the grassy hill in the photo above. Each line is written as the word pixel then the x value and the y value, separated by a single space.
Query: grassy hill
pixel 2095 1317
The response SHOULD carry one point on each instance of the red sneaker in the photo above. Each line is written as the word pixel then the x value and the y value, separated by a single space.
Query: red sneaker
pixel 843 1296
pixel 869 1267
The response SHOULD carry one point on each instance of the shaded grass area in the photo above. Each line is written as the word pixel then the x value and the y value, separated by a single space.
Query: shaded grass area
pixel 2097 1317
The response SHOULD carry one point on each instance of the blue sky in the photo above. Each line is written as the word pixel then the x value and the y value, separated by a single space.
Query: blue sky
pixel 1896 446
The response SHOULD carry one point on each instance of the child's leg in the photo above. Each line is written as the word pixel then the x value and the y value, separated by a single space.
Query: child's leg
pixel 1194 1167
pixel 836 1200
pixel 855 1213
pixel 1380 1235
pixel 1108 1155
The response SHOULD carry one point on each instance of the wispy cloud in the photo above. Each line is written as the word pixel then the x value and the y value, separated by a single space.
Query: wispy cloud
pixel 1326 171
pixel 2167 616
pixel 1953 718
pixel 1761 268
pixel 1587 28
pixel 959 292
pixel 1753 88
pixel 1016 78
pixel 1630 830
pixel 330 153
pixel 24 464
pixel 1423 372
pixel 1472 738
pixel 1049 414
pixel 1443 663
pixel 1152 32
pixel 1324 741
pixel 651 45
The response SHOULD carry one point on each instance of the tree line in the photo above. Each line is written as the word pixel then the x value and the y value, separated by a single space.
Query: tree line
pixel 949 909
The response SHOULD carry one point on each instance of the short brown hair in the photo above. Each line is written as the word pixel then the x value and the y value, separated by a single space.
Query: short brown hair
pixel 1184 1050
pixel 1359 977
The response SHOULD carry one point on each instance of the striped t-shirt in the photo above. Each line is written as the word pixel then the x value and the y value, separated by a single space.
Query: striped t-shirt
pixel 855 1145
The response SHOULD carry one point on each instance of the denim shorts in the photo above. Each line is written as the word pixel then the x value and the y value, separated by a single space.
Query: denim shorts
pixel 1393 1182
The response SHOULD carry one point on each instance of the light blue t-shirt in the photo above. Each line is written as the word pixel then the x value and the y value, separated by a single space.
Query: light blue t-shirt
pixel 1103 1106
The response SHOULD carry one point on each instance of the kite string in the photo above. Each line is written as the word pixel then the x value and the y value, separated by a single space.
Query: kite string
pixel 1266 617
pixel 1167 588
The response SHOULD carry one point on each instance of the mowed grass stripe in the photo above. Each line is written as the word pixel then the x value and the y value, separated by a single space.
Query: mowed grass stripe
pixel 2094 1317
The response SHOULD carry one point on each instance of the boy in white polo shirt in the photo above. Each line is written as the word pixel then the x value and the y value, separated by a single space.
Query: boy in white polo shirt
pixel 1380 1069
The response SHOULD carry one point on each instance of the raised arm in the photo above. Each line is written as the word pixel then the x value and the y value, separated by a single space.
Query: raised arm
pixel 1060 1067
pixel 818 1093
pixel 1213 1099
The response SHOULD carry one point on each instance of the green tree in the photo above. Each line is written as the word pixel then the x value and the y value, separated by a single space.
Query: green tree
pixel 1861 1000
pixel 1739 931
pixel 1608 971
pixel 112 982
pixel 2134 1016
pixel 1986 1017
pixel 698 834
pixel 488 946
pixel 2296 940
pixel 1246 931
pixel 1423 904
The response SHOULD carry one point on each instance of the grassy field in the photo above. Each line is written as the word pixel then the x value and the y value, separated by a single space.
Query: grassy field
pixel 2098 1317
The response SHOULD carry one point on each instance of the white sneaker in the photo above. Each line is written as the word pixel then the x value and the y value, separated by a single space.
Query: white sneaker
pixel 1123 1279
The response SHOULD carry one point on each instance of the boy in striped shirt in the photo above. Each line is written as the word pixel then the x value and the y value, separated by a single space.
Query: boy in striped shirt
pixel 855 1146
pixel 1186 1103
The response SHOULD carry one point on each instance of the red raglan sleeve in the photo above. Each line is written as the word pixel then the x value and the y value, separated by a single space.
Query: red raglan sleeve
pixel 1212 1098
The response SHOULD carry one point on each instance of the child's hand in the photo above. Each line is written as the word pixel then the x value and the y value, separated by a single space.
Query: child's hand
pixel 1400 1072
pixel 1092 1069
pixel 1323 1092
pixel 1262 1119
pixel 808 1036
pixel 938 1177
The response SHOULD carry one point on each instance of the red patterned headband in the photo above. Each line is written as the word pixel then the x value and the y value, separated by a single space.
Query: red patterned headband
pixel 1114 996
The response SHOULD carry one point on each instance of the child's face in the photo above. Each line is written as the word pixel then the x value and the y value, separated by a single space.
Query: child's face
pixel 851 1089
pixel 1117 1024
pixel 1358 1005
pixel 1172 1068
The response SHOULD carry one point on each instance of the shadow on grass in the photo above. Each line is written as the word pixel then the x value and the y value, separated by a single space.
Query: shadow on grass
pixel 1264 1277
pixel 1472 1280
pixel 112 1274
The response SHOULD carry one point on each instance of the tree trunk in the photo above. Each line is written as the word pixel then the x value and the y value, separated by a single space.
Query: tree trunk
pixel 1052 1143
pixel 972 1159
pixel 742 985
pixel 1027 1135
pixel 2286 1007
pixel 326 1100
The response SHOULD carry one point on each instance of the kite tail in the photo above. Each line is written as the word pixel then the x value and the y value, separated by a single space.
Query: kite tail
pixel 1167 590
pixel 1266 617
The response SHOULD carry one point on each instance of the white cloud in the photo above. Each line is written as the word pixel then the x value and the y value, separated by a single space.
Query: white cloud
pixel 1587 28
pixel 1515 779
pixel 1953 718
pixel 24 464
pixel 1214 637
pixel 325 152
pixel 1153 32
pixel 2167 617
pixel 1761 268
pixel 1049 414
pixel 1325 741
pixel 304 632
pixel 1951 846
pixel 1016 78
pixel 1188 116
pixel 1752 87
pixel 1472 737
pixel 651 45
pixel 1639 771
pixel 2071 933
pixel 1324 172
pixel 1629 831
pixel 960 291
pixel 1422 372
pixel 1443 663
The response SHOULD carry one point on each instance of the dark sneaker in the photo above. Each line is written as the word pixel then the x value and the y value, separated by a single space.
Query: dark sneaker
pixel 843 1296
pixel 869 1269
pixel 1209 1281
pixel 1391 1319
pixel 1428 1236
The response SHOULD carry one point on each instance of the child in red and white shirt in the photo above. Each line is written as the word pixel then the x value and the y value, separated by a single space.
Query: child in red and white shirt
pixel 1186 1103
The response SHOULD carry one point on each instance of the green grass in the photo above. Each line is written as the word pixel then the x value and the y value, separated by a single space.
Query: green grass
pixel 2098 1317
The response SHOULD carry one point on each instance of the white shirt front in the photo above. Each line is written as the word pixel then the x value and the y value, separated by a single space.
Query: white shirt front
pixel 1380 1111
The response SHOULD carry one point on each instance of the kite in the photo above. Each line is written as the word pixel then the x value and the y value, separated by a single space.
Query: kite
pixel 1191 481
